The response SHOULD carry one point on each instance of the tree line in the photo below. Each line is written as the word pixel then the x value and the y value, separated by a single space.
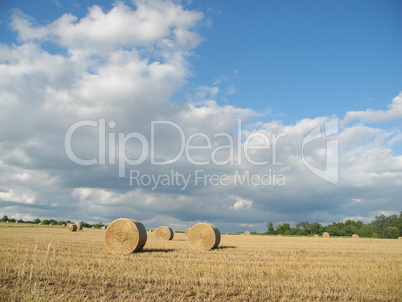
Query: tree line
pixel 381 227
pixel 51 222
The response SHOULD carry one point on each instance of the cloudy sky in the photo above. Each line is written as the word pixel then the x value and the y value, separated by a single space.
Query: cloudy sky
pixel 230 112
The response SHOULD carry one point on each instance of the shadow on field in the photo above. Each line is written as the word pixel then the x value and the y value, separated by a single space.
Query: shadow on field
pixel 157 250
pixel 226 247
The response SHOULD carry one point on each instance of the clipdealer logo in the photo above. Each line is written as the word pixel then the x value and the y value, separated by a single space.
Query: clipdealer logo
pixel 239 151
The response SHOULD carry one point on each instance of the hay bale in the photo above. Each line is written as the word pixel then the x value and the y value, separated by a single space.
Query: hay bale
pixel 204 237
pixel 187 231
pixel 125 236
pixel 79 227
pixel 316 236
pixel 247 233
pixel 164 233
pixel 355 236
pixel 279 235
pixel 72 227
pixel 325 235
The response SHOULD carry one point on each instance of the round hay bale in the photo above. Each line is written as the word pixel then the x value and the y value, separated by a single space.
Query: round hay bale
pixel 204 237
pixel 164 233
pixel 187 231
pixel 247 233
pixel 316 236
pixel 125 236
pixel 399 237
pixel 72 227
pixel 279 235
pixel 325 235
pixel 79 227
pixel 355 236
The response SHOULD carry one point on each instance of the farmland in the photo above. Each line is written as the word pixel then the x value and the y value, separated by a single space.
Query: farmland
pixel 52 264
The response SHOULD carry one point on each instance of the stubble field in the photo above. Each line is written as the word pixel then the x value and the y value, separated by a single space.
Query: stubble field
pixel 53 264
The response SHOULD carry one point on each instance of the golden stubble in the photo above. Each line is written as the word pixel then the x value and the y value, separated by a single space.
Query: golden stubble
pixel 53 264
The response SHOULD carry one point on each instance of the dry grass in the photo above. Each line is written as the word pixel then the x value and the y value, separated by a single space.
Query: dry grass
pixel 50 264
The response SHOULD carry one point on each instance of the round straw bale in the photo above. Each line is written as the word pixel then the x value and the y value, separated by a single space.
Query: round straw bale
pixel 325 235
pixel 187 231
pixel 247 233
pixel 399 237
pixel 164 233
pixel 355 236
pixel 79 227
pixel 316 236
pixel 125 236
pixel 72 227
pixel 204 237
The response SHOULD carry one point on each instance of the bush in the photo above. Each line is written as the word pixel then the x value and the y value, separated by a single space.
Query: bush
pixel 391 232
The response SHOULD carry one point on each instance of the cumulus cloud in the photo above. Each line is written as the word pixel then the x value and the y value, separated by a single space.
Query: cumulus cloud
pixel 377 116
pixel 116 72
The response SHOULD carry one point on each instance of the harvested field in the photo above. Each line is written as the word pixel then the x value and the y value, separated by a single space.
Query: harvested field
pixel 50 264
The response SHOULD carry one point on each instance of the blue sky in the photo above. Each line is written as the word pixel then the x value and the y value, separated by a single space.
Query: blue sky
pixel 281 67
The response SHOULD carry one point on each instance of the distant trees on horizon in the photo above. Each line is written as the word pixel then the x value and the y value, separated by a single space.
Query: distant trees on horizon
pixel 381 227
pixel 51 222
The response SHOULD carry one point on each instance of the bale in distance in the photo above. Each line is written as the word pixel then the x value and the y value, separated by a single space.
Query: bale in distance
pixel 164 233
pixel 279 235
pixel 72 227
pixel 316 236
pixel 125 236
pixel 355 236
pixel 247 233
pixel 79 227
pixel 325 235
pixel 187 231
pixel 204 237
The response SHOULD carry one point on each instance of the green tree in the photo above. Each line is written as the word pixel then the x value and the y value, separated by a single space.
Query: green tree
pixel 37 221
pixel 316 228
pixel 45 221
pixel 270 228
pixel 391 232
pixel 365 231
pixel 283 229
pixel 5 218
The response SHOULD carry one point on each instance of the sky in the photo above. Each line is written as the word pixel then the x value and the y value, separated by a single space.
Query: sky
pixel 235 113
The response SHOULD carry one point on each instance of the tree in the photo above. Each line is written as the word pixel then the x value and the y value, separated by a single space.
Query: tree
pixel 37 221
pixel 5 218
pixel 316 228
pixel 283 229
pixel 45 221
pixel 365 231
pixel 391 232
pixel 270 228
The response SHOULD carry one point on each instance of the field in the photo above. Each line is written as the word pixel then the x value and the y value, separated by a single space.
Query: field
pixel 52 264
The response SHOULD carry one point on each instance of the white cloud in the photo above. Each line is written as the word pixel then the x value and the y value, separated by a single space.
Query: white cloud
pixel 242 204
pixel 377 116
pixel 125 65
